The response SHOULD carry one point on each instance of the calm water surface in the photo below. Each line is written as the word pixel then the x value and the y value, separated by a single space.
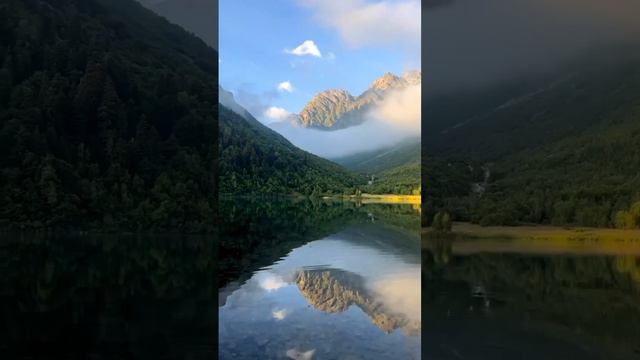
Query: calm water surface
pixel 347 287
pixel 316 280
pixel 107 297
pixel 482 302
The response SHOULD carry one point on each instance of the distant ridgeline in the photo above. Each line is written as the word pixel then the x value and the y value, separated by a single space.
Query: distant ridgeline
pixel 565 150
pixel 106 119
pixel 337 109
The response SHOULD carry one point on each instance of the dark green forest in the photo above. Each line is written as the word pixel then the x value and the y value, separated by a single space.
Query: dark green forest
pixel 443 180
pixel 256 160
pixel 564 152
pixel 107 118
pixel 403 179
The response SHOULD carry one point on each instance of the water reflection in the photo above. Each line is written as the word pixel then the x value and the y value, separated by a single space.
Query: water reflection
pixel 107 297
pixel 350 292
pixel 530 302
pixel 334 291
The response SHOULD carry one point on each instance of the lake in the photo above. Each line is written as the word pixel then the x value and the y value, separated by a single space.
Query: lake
pixel 107 297
pixel 529 298
pixel 320 280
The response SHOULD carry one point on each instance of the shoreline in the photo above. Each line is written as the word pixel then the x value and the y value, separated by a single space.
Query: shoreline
pixel 469 238
pixel 364 198
pixel 383 198
pixel 470 230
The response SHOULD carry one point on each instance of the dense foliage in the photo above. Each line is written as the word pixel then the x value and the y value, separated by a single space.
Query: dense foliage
pixel 256 160
pixel 393 170
pixel 584 180
pixel 107 118
pixel 444 180
pixel 442 221
pixel 565 154
pixel 404 179
pixel 628 219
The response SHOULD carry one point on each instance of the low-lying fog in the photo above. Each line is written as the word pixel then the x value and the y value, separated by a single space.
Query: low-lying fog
pixel 392 121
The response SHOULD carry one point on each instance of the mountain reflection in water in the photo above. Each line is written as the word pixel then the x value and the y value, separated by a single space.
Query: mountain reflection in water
pixel 334 291
pixel 353 293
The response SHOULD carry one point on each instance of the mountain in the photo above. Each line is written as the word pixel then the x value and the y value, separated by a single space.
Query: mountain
pixel 563 150
pixel 394 170
pixel 338 109
pixel 226 99
pixel 257 160
pixel 196 16
pixel 334 291
pixel 493 123
pixel 107 119
pixel 377 161
pixel 403 179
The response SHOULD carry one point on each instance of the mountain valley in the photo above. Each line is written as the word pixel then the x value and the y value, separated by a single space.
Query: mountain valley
pixel 562 150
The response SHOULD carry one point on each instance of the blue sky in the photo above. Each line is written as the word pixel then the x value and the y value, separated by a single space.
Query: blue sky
pixel 256 34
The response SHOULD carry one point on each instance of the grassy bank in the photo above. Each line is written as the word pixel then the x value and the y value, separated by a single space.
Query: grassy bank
pixel 387 199
pixel 469 238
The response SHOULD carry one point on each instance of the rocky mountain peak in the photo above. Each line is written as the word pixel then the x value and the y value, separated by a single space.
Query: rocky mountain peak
pixel 413 77
pixel 388 80
pixel 338 109
pixel 333 95
pixel 325 108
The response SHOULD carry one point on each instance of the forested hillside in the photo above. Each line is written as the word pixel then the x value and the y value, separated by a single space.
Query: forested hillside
pixel 444 180
pixel 564 153
pixel 403 179
pixel 256 160
pixel 394 170
pixel 585 180
pixel 376 161
pixel 500 121
pixel 107 118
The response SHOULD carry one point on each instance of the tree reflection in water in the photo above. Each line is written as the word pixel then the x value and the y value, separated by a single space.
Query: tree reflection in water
pixel 580 304
pixel 128 297
pixel 320 280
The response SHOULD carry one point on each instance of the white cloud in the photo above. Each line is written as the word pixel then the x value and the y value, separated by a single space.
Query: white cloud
pixel 308 47
pixel 271 282
pixel 402 108
pixel 360 23
pixel 395 119
pixel 276 113
pixel 285 86
pixel 296 354
pixel 279 314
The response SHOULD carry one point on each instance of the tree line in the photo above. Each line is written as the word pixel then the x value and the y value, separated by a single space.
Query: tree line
pixel 106 118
